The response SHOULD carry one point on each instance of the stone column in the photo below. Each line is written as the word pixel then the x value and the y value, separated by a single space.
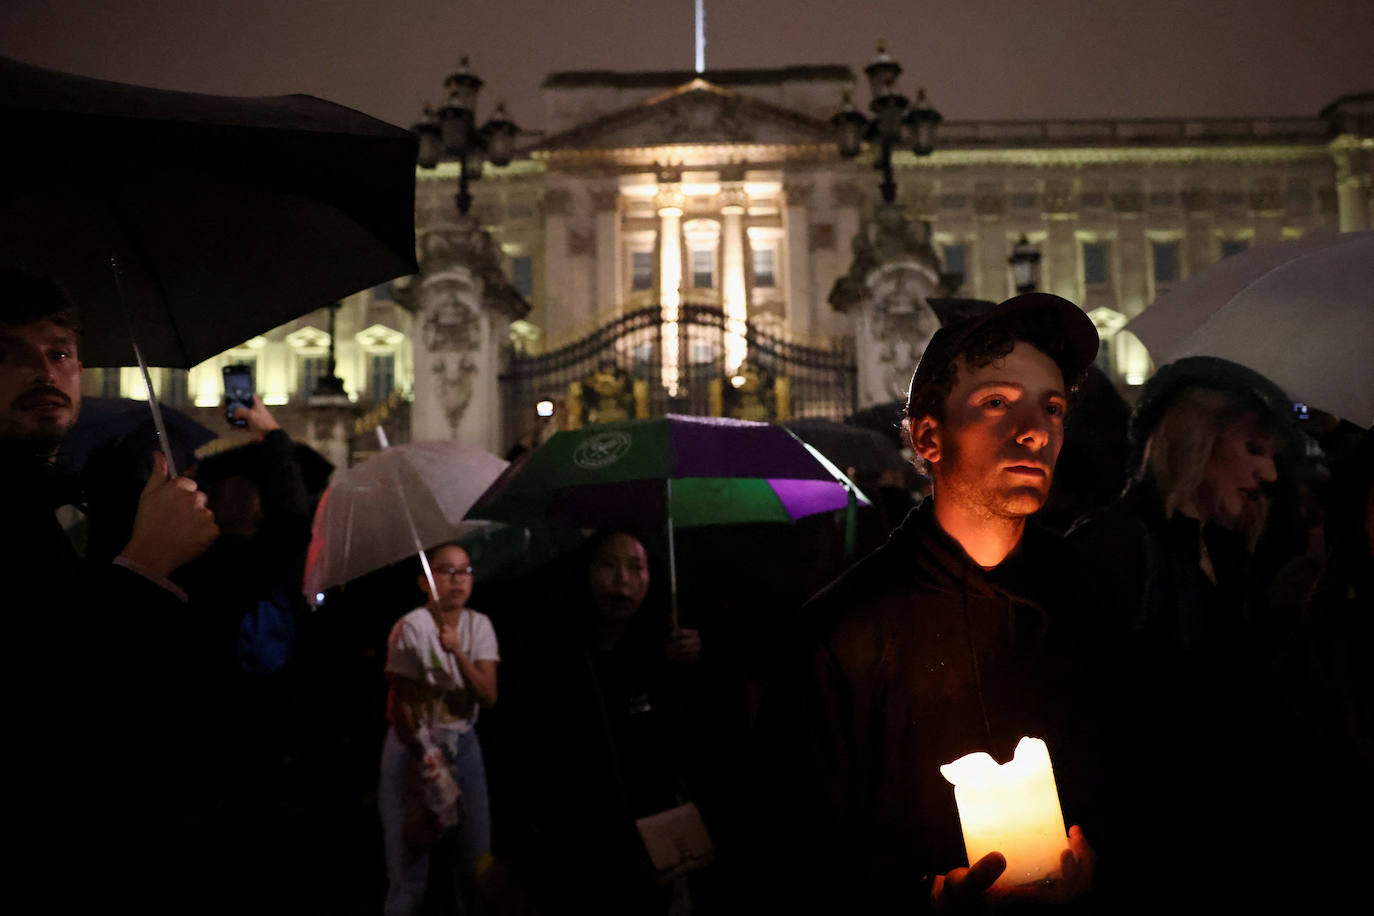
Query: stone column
pixel 848 201
pixel 1198 251
pixel 801 305
pixel 1266 211
pixel 670 281
pixel 559 310
pixel 1354 182
pixel 606 294
pixel 463 306
pixel 1061 246
pixel 989 263
pixel 1133 252
pixel 327 432
pixel 1351 121
pixel 734 290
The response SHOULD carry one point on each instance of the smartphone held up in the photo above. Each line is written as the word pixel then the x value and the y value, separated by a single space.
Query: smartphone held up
pixel 238 391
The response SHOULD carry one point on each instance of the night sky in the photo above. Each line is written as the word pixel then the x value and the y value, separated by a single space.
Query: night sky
pixel 976 58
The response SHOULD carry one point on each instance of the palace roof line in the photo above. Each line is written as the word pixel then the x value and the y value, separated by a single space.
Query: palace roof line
pixel 647 79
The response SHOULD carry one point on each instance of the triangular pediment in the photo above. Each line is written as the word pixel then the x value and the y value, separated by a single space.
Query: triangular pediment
pixel 698 111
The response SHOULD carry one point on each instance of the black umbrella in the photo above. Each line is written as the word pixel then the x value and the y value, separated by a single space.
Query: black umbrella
pixel 866 451
pixel 225 216
pixel 183 224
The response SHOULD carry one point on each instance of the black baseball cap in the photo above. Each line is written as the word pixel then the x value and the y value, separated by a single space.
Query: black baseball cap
pixel 948 342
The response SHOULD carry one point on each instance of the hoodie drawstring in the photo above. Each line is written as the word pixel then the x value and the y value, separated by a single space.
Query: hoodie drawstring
pixel 972 650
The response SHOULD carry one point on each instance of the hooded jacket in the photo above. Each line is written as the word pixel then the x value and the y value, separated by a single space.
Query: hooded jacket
pixel 913 658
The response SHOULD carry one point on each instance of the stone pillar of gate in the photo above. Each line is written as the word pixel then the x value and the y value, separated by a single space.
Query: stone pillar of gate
pixel 463 305
pixel 605 206
pixel 894 273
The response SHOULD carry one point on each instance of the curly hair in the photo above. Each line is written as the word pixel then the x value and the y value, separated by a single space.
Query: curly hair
pixel 991 342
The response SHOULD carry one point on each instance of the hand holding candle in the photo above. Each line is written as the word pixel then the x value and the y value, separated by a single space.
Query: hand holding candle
pixel 1012 809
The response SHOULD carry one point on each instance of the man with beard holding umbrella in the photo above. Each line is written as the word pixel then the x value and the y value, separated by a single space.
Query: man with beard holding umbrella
pixel 93 643
pixel 40 397
pixel 937 644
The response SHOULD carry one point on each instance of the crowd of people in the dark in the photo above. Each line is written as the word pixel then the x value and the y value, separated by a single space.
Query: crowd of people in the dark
pixel 1176 596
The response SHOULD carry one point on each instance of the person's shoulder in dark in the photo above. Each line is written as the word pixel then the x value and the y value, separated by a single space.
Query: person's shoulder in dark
pixel 1112 554
pixel 864 601
pixel 1114 534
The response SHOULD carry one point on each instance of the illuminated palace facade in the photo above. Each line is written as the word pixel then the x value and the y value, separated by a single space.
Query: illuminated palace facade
pixel 722 200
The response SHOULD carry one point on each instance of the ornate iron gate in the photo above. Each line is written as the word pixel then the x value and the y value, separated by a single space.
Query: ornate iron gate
pixel 618 372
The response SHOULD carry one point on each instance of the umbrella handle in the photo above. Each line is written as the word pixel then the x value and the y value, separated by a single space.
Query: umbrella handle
pixel 672 553
pixel 153 405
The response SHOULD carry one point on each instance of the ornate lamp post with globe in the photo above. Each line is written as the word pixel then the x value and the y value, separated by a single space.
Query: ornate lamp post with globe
pixel 895 271
pixel 896 121
pixel 452 132
pixel 462 299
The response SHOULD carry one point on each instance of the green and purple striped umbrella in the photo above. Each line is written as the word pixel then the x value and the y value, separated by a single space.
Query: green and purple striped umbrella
pixel 687 471
pixel 676 471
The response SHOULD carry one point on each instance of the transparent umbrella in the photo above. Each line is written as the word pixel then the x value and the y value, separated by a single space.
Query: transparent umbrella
pixel 1300 313
pixel 401 502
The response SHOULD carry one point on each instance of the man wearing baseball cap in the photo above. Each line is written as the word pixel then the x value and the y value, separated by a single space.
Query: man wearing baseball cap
pixel 935 645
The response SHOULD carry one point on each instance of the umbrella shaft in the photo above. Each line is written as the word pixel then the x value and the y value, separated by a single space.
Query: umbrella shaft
pixel 153 405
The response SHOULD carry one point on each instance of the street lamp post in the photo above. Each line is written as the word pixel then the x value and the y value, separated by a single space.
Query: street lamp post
pixel 329 388
pixel 1025 265
pixel 452 132
pixel 896 121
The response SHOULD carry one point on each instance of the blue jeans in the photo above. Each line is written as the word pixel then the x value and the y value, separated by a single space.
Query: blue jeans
pixel 457 854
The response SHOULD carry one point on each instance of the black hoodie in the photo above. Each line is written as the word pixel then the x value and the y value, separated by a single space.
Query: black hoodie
pixel 913 658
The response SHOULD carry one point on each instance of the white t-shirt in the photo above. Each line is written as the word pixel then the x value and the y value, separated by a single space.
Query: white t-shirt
pixel 413 651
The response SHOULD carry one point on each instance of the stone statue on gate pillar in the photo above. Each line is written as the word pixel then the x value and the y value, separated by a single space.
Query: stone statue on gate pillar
pixel 463 307
pixel 894 274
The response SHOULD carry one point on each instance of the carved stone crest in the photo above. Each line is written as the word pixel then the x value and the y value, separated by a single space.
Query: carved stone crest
pixel 900 324
pixel 884 238
pixel 452 334
pixel 607 395
pixel 464 244
pixel 895 271
pixel 700 114
pixel 750 395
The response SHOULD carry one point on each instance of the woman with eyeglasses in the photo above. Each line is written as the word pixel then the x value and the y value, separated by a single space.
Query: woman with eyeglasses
pixel 441 666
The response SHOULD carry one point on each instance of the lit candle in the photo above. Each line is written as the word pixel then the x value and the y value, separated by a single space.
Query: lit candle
pixel 1012 808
